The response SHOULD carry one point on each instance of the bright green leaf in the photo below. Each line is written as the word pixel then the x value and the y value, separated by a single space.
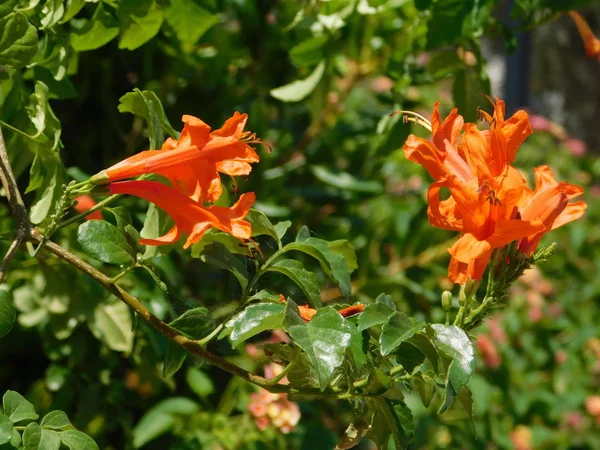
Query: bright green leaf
pixel 6 429
pixel 111 323
pixel 309 52
pixel 18 40
pixel 188 20
pixel 17 407
pixel 105 242
pixel 398 329
pixel 295 271
pixel 52 13
pixel 8 313
pixel 148 106
pixel 50 440
pixel 56 420
pixel 76 440
pixel 140 21
pixel 255 319
pixel 261 225
pixel 346 181
pixel 199 382
pixel 374 314
pixel 97 32
pixel 32 436
pixel 298 90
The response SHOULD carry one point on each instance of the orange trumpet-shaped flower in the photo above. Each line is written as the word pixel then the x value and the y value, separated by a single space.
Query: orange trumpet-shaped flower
pixel 84 203
pixel 550 204
pixel 590 42
pixel 193 162
pixel 190 216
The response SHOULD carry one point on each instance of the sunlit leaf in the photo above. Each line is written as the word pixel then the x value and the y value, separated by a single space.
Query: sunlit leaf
pixel 140 21
pixel 97 32
pixel 255 319
pixel 105 242
pixel 298 90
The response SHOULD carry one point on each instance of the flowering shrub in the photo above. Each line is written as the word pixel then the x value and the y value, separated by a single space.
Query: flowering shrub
pixel 282 287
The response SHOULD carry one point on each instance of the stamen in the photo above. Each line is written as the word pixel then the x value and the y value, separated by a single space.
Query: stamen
pixel 249 137
pixel 411 116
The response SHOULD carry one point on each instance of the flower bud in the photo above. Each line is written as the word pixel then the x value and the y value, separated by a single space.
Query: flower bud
pixel 447 300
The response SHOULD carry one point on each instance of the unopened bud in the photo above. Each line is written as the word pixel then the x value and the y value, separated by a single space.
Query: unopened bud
pixel 447 300
pixel 100 178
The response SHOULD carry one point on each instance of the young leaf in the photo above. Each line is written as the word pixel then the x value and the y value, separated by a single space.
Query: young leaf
pixel 97 32
pixel 50 440
pixel 6 429
pixel 397 330
pixel 8 313
pixel 140 21
pixel 18 40
pixel 298 90
pixel 147 105
pixel 374 314
pixel 17 408
pixel 189 21
pixel 105 242
pixel 32 436
pixel 295 271
pixel 324 339
pixel 455 343
pixel 76 440
pixel 56 420
pixel 261 225
pixel 255 319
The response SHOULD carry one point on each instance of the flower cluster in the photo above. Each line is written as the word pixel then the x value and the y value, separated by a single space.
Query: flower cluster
pixel 490 203
pixel 274 409
pixel 192 164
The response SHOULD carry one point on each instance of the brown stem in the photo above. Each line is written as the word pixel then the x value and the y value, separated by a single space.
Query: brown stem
pixel 10 254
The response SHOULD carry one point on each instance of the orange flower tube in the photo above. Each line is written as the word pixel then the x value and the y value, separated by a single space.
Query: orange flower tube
pixel 193 162
pixel 190 216
pixel 84 203
pixel 590 42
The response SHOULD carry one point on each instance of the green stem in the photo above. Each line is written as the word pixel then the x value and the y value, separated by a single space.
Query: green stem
pixel 278 378
pixel 96 207
pixel 16 130
pixel 122 274
pixel 205 340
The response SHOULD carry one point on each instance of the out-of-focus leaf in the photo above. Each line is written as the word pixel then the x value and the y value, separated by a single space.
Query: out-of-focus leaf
pixel 346 181
pixel 454 342
pixel 188 20
pixel 309 52
pixel 8 313
pixel 324 339
pixel 295 271
pixel 469 85
pixel 398 329
pixel 391 423
pixel 199 382
pixel 140 21
pixel 148 106
pixel 97 32
pixel 255 319
pixel 446 22
pixel 105 242
pixel 298 90
pixel 111 323
pixel 161 418
pixel 18 40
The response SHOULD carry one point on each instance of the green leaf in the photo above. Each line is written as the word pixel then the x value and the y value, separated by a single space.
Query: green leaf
pixel 391 423
pixel 231 243
pixel 281 228
pixel 356 351
pixel 346 181
pixel 346 249
pixel 111 323
pixel 18 41
pixel 324 339
pixel 156 224
pixel 194 323
pixel 353 434
pixel 189 21
pixel 73 7
pixel 309 52
pixel 50 440
pixel 261 225
pixel 217 255
pixel 469 85
pixel 17 408
pixel 32 436
pixel 51 13
pixel 97 32
pixel 147 105
pixel 424 384
pixel 174 358
pixel 56 420
pixel 76 440
pixel 446 22
pixel 6 429
pixel 374 314
pixel 161 418
pixel 122 216
pixel 295 271
pixel 199 382
pixel 140 21
pixel 298 90
pixel 424 344
pixel 255 319
pixel 455 343
pixel 398 329
pixel 333 263
pixel 8 313
pixel 105 242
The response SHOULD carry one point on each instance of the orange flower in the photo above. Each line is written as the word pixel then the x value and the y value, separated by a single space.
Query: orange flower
pixel 190 216
pixel 307 313
pixel 550 204
pixel 590 42
pixel 84 203
pixel 485 190
pixel 193 162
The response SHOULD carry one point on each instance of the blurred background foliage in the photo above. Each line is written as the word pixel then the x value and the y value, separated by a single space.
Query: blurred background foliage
pixel 336 167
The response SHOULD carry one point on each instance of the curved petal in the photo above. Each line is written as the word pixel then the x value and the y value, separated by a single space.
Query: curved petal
pixel 234 168
pixel 197 233
pixel 468 248
pixel 423 152
pixel 515 130
pixel 234 126
pixel 442 214
pixel 511 230
pixel 171 237
pixel 195 132
pixel 480 158
pixel 571 212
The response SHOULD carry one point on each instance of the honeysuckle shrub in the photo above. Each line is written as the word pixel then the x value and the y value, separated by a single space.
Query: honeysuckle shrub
pixel 266 275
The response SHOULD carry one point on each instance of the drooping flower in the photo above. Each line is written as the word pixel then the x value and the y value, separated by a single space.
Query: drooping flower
pixel 84 203
pixel 590 42
pixel 190 216
pixel 193 162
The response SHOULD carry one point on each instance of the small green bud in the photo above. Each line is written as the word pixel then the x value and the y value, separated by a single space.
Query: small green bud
pixel 447 300
pixel 100 178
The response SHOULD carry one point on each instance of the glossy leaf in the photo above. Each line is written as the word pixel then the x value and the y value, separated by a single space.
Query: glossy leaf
pixel 324 339
pixel 18 40
pixel 105 242
pixel 398 329
pixel 140 21
pixel 97 32
pixel 8 313
pixel 295 271
pixel 374 314
pixel 298 90
pixel 255 319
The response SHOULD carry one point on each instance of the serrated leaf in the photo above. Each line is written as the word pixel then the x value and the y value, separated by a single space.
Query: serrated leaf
pixel 255 319
pixel 346 181
pixel 56 420
pixel 18 40
pixel 6 429
pixel 398 329
pixel 140 21
pixel 295 271
pixel 76 440
pixel 97 32
pixel 217 255
pixel 298 90
pixel 455 343
pixel 324 339
pixel 8 313
pixel 148 106
pixel 189 21
pixel 32 436
pixel 17 407
pixel 111 323
pixel 105 242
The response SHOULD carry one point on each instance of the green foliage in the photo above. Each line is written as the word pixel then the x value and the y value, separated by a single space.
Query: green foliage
pixel 8 314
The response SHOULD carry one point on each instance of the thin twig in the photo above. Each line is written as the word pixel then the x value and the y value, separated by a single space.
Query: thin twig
pixel 10 254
